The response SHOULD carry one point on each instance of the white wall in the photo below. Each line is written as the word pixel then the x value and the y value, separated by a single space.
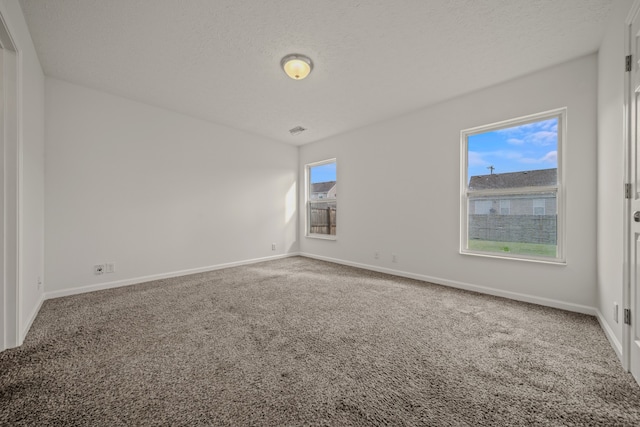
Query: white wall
pixel 399 190
pixel 611 177
pixel 31 170
pixel 156 192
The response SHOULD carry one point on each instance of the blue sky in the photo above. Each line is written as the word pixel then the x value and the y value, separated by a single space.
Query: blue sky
pixel 323 173
pixel 520 148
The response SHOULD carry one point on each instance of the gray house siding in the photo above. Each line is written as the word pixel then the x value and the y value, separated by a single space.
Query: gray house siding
pixel 517 205
pixel 322 190
pixel 530 218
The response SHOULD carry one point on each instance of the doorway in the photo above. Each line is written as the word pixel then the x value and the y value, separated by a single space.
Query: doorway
pixel 9 192
pixel 631 331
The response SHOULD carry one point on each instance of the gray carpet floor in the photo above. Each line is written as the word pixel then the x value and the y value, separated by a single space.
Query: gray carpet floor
pixel 303 342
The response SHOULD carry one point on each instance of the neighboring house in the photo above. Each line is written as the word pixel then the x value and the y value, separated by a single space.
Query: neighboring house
pixel 521 204
pixel 333 192
pixel 323 190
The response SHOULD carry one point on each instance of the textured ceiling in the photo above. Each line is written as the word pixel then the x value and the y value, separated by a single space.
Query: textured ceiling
pixel 374 59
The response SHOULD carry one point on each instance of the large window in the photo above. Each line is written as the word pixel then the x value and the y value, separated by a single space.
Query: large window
pixel 322 199
pixel 512 188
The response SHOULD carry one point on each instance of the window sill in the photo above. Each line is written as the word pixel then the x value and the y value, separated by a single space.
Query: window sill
pixel 321 237
pixel 555 261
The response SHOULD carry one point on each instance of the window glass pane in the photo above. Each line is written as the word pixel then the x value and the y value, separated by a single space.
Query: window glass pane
pixel 322 199
pixel 512 188
pixel 518 233
pixel 527 147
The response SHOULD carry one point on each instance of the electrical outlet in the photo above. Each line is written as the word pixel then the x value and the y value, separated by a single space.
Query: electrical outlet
pixel 376 255
pixel 394 258
pixel 615 312
pixel 273 246
pixel 98 269
pixel 109 268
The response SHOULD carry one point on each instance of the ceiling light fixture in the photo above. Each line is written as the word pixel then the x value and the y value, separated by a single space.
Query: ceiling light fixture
pixel 296 66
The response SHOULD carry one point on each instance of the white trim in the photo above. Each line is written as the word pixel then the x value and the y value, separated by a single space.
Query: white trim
pixel 517 257
pixel 547 302
pixel 143 279
pixel 307 199
pixel 11 240
pixel 320 163
pixel 32 317
pixel 635 7
pixel 322 236
pixel 465 193
pixel 628 124
pixel 19 183
pixel 611 336
pixel 454 284
pixel 13 338
pixel 7 42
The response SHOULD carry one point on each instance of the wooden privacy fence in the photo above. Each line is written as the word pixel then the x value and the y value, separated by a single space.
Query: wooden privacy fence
pixel 322 220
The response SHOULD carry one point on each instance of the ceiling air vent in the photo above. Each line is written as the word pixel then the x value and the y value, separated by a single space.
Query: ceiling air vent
pixel 296 130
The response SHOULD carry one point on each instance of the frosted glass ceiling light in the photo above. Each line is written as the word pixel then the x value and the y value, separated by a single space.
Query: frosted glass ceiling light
pixel 296 66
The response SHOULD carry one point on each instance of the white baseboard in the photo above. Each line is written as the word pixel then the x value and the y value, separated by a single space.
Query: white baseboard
pixel 611 336
pixel 466 286
pixel 440 281
pixel 32 317
pixel 142 279
pixel 617 346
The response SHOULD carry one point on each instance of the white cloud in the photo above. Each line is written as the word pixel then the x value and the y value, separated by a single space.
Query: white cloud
pixel 550 157
pixel 538 133
pixel 543 138
pixel 548 124
pixel 475 159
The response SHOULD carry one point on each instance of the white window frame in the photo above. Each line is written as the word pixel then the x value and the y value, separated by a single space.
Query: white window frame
pixel 559 190
pixel 307 182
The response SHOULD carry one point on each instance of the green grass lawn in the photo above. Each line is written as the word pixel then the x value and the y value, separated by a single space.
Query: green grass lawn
pixel 535 249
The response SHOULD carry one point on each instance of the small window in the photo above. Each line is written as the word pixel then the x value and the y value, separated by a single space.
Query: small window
pixel 511 188
pixel 322 199
pixel 539 206
pixel 483 207
pixel 505 207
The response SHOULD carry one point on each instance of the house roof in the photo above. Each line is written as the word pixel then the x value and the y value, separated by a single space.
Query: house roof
pixel 322 187
pixel 534 178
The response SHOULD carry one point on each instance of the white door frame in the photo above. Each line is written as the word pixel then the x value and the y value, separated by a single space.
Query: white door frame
pixel 10 166
pixel 629 136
